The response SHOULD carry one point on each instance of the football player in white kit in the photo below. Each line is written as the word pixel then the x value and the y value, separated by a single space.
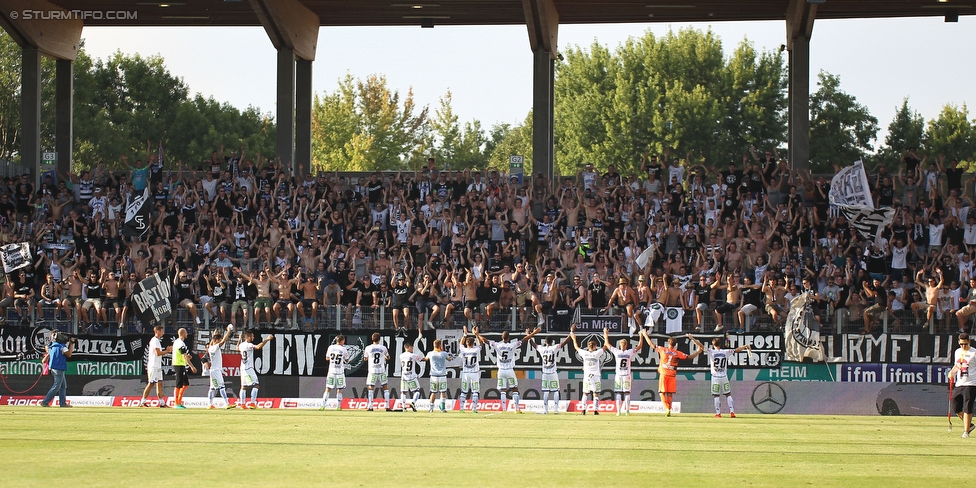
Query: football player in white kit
pixel 592 358
pixel 377 355
pixel 249 378
pixel 470 369
pixel 438 374
pixel 505 352
pixel 718 362
pixel 409 381
pixel 550 379
pixel 154 367
pixel 338 357
pixel 217 366
pixel 623 358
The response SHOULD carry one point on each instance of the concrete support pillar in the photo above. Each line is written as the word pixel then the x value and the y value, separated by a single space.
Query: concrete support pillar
pixel 63 114
pixel 544 70
pixel 799 104
pixel 285 120
pixel 303 116
pixel 30 111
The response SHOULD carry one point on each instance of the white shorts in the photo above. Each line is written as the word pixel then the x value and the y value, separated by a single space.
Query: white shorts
pixel 374 378
pixel 550 382
pixel 471 382
pixel 591 383
pixel 721 385
pixel 155 375
pixel 204 299
pixel 248 377
pixel 216 380
pixel 337 382
pixel 438 384
pixel 409 384
pixel 748 309
pixel 507 379
pixel 621 382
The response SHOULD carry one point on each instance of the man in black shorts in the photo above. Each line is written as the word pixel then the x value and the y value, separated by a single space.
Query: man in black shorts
pixel 963 373
pixel 181 361
pixel 401 303
pixel 492 290
pixel 426 301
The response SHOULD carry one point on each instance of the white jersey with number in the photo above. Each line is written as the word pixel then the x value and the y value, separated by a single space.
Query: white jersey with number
pixel 155 360
pixel 505 353
pixel 408 365
pixel 718 361
pixel 469 359
pixel 376 354
pixel 591 361
pixel 548 354
pixel 623 359
pixel 247 356
pixel 338 357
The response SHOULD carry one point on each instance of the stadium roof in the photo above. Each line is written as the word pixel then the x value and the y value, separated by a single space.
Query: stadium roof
pixel 505 12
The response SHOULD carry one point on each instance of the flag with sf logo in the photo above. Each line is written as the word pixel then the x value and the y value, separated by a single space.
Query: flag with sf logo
pixel 138 214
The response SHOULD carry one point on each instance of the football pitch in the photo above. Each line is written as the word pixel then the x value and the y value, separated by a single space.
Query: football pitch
pixel 114 446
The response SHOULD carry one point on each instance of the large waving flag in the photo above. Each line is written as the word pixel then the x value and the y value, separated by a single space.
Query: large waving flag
pixel 138 213
pixel 850 192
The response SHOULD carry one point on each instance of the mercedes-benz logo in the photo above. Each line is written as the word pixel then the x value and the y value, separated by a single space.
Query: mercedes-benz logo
pixel 768 397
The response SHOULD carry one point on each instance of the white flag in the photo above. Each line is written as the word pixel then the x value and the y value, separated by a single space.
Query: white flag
pixel 850 187
pixel 850 192
pixel 802 334
pixel 645 257
pixel 15 256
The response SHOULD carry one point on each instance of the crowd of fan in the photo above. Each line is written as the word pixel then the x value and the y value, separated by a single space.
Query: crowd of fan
pixel 439 247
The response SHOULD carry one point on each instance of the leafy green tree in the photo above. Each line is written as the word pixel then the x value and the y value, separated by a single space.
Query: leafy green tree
pixel 507 141
pixel 675 93
pixel 952 134
pixel 907 129
pixel 841 129
pixel 9 97
pixel 362 126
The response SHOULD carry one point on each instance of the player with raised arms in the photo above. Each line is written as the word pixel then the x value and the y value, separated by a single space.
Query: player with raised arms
pixel 668 369
pixel 409 382
pixel 438 374
pixel 505 352
pixel 550 378
pixel 338 357
pixel 377 355
pixel 623 357
pixel 249 377
pixel 718 362
pixel 216 366
pixel 592 358
pixel 470 354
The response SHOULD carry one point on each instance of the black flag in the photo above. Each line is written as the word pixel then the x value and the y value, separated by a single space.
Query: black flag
pixel 138 213
pixel 151 298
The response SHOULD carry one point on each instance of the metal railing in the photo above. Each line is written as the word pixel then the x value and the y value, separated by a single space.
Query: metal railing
pixel 342 317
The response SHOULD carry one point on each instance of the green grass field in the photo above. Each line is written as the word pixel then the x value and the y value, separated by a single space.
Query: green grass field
pixel 112 446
